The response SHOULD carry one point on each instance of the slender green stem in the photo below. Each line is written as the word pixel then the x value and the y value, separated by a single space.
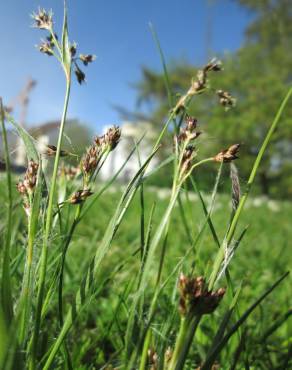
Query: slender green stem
pixel 26 291
pixel 49 218
pixel 6 296
pixel 231 231
pixel 188 326
pixel 146 344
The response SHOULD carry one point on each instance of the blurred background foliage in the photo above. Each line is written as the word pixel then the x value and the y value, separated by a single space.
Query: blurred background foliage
pixel 257 75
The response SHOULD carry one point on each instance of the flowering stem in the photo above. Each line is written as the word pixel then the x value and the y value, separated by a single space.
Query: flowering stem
pixel 48 224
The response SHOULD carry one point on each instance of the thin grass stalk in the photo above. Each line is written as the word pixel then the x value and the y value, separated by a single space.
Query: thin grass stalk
pixel 188 326
pixel 146 345
pixel 6 295
pixel 232 229
pixel 49 218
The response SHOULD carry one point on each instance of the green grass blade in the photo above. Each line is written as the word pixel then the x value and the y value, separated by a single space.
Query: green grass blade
pixel 211 357
pixel 220 255
pixel 6 294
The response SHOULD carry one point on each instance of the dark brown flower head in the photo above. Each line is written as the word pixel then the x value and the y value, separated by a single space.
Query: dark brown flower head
pixel 80 75
pixel 112 137
pixel 86 58
pixel 73 49
pixel 52 150
pixel 30 177
pixel 195 298
pixel 90 160
pixel 80 196
pixel 21 188
pixel 191 123
pixel 225 99
pixel 43 19
pixel 228 155
pixel 214 65
pixel 189 131
pixel 46 48
pixel 187 159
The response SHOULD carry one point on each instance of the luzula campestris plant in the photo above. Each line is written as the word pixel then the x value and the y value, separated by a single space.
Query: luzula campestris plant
pixel 65 53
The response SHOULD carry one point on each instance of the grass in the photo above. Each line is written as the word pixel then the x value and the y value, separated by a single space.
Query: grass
pixel 103 276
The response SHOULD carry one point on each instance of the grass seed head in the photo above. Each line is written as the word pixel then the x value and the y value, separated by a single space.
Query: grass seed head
pixel 46 48
pixel 52 150
pixel 80 75
pixel 195 298
pixel 225 99
pixel 112 137
pixel 86 58
pixel 80 196
pixel 228 155
pixel 43 19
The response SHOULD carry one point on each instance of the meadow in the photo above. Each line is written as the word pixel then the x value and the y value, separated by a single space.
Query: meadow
pixel 104 275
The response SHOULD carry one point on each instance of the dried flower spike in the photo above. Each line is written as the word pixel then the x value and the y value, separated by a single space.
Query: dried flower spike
pixel 228 155
pixel 52 150
pixel 90 160
pixel 43 19
pixel 80 75
pixel 80 196
pixel 86 58
pixel 45 47
pixel 195 298
pixel 112 137
pixel 225 99
pixel 214 65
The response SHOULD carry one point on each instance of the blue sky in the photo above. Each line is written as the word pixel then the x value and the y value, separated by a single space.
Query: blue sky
pixel 117 32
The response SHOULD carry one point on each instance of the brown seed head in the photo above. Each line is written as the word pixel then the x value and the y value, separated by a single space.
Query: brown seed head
pixel 214 65
pixel 228 155
pixel 195 297
pixel 86 58
pixel 43 19
pixel 46 48
pixel 112 137
pixel 225 99
pixel 80 196
pixel 80 75
pixel 21 188
pixel 30 177
pixel 90 160
pixel 52 150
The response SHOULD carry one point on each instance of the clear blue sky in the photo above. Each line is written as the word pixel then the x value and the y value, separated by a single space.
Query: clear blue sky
pixel 117 32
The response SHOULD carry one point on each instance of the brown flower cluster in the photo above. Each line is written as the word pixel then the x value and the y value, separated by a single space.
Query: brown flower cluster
pixel 43 19
pixel 228 155
pixel 195 298
pixel 80 196
pixel 27 186
pixel 225 99
pixel 199 84
pixel 90 162
pixel 185 140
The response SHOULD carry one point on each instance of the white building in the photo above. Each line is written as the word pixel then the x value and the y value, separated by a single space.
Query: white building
pixel 131 134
